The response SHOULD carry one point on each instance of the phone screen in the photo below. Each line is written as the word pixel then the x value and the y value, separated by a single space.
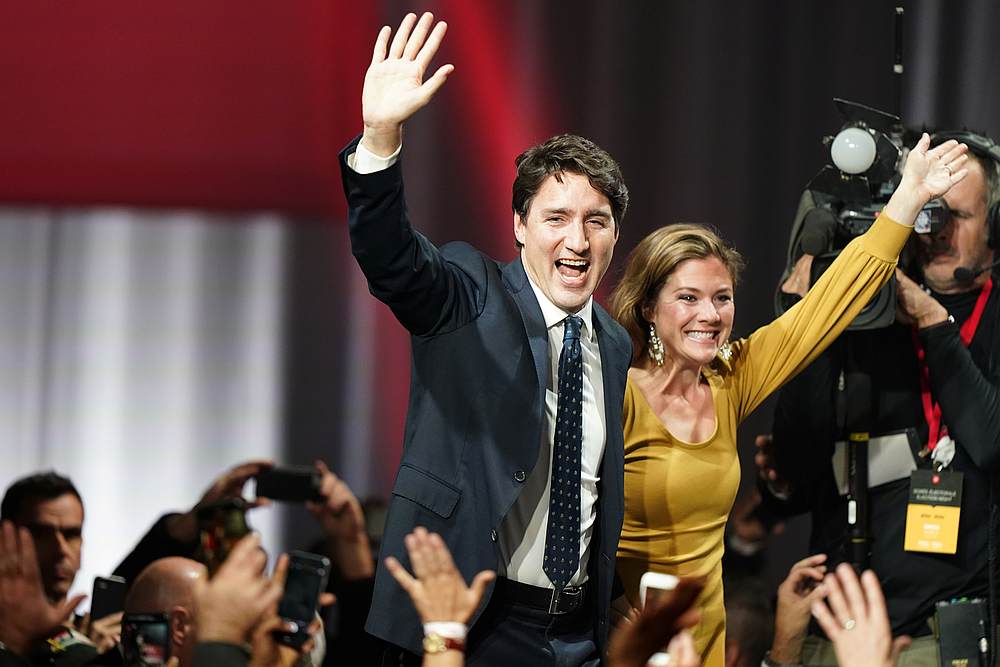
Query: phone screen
pixel 302 589
pixel 146 640
pixel 305 582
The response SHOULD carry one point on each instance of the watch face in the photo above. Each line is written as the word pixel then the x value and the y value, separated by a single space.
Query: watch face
pixel 434 644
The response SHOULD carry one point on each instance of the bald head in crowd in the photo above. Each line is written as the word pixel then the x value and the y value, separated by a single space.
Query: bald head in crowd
pixel 166 586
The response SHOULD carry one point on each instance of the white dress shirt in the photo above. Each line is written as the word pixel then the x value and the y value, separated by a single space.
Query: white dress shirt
pixel 522 536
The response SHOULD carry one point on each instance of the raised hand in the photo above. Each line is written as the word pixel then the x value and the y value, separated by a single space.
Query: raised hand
pixel 767 468
pixel 438 591
pixel 228 485
pixel 26 615
pixel 802 587
pixel 928 173
pixel 854 617
pixel 936 169
pixel 339 512
pixel 394 87
pixel 240 595
pixel 343 521
pixel 105 632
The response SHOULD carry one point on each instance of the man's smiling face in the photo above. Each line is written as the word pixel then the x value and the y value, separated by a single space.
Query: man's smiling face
pixel 567 238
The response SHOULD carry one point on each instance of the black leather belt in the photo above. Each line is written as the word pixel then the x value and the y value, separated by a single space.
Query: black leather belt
pixel 550 600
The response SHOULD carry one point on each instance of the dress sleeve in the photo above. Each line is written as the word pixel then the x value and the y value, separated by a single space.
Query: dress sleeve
pixel 777 351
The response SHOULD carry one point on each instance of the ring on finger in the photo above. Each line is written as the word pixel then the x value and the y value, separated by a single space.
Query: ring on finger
pixel 850 624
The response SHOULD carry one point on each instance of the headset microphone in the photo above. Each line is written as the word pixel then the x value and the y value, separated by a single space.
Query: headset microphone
pixel 964 274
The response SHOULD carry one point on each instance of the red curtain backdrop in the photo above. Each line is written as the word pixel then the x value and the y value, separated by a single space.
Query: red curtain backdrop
pixel 205 104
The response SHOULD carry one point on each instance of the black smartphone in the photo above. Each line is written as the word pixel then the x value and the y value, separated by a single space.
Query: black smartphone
pixel 290 483
pixel 108 597
pixel 306 580
pixel 146 639
pixel 220 527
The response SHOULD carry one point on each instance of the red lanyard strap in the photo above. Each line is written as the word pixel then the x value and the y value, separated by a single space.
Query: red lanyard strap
pixel 932 409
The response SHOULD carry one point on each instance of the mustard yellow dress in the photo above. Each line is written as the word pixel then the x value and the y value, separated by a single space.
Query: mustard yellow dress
pixel 678 494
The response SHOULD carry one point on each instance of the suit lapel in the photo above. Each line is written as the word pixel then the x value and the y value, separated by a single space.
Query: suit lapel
pixel 534 323
pixel 614 367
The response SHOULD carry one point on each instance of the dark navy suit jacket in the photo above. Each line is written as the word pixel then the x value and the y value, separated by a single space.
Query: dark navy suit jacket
pixel 480 366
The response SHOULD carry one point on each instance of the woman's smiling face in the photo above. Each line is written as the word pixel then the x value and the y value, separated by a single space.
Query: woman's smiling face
pixel 694 310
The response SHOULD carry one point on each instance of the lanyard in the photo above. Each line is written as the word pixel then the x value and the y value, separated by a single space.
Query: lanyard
pixel 932 409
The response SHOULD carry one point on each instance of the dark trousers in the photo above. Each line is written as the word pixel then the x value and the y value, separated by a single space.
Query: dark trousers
pixel 512 634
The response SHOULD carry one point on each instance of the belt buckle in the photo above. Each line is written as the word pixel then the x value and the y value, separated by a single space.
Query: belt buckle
pixel 558 594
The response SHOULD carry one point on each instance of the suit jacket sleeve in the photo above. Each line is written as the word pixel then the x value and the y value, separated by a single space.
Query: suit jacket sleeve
pixel 427 293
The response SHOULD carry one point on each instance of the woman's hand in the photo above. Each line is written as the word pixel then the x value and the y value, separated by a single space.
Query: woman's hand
pixel 927 174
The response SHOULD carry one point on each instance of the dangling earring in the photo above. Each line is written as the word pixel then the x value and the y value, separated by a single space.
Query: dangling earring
pixel 655 346
pixel 725 351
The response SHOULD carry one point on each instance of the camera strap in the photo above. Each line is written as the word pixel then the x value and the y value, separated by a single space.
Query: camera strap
pixel 936 431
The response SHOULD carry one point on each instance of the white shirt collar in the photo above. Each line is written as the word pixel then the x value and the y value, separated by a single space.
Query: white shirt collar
pixel 554 315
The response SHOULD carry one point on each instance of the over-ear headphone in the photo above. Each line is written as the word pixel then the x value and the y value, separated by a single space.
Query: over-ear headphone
pixel 987 149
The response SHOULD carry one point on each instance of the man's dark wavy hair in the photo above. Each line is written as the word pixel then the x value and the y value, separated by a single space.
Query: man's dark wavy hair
pixel 569 153
pixel 34 488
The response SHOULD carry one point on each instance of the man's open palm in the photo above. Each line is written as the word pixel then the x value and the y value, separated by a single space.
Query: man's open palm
pixel 394 85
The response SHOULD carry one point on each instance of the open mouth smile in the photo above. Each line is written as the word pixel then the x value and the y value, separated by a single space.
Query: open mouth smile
pixel 572 268
pixel 702 336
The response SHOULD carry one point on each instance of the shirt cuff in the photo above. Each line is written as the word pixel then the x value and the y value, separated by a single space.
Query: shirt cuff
pixel 363 161
pixel 946 329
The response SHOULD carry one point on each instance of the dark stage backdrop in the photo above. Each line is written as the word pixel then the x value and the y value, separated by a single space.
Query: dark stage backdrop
pixel 714 109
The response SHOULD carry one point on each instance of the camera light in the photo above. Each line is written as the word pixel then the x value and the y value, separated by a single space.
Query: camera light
pixel 853 150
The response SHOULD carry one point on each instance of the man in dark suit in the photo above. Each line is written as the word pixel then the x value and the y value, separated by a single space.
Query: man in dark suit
pixel 513 449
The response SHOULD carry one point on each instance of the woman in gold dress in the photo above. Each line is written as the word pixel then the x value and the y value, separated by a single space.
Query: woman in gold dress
pixel 690 386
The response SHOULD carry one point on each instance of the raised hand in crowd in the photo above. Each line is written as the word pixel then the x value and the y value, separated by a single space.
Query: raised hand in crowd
pixel 801 588
pixel 26 614
pixel 745 523
pixel 343 522
pixel 854 617
pixel 228 485
pixel 764 458
pixel 267 651
pixel 105 632
pixel 439 592
pixel 240 596
pixel 660 621
pixel 394 87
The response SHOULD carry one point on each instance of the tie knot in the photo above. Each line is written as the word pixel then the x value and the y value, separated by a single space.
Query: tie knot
pixel 571 328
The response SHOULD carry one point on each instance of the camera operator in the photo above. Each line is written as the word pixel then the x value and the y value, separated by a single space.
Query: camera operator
pixel 933 371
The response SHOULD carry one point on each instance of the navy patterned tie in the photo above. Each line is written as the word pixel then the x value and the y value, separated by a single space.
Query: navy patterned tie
pixel 562 538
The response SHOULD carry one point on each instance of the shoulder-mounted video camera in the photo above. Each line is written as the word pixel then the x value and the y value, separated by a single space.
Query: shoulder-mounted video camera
pixel 844 198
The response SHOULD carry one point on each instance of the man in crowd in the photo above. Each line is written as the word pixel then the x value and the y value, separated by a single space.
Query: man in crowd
pixel 513 450
pixel 167 586
pixel 936 407
pixel 51 509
